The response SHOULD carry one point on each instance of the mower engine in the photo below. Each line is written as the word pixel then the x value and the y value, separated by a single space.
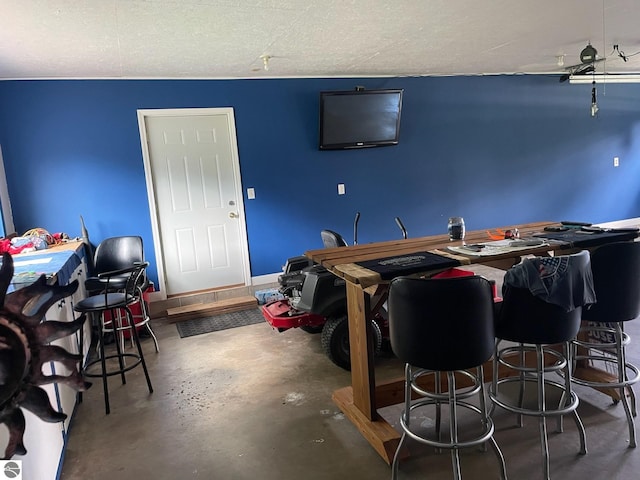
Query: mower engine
pixel 284 314
pixel 293 277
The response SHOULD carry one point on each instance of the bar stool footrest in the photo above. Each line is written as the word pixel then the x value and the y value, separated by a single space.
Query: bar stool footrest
pixel 554 394
pixel 485 435
pixel 118 371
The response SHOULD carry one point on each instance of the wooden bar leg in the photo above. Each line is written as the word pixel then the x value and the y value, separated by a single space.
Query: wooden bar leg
pixel 362 367
pixel 358 402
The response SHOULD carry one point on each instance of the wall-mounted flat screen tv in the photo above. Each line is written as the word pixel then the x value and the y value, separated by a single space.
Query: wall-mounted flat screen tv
pixel 359 118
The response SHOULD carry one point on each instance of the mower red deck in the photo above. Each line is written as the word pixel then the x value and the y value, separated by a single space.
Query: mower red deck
pixel 281 316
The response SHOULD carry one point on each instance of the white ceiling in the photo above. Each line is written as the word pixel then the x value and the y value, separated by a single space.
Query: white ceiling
pixel 318 38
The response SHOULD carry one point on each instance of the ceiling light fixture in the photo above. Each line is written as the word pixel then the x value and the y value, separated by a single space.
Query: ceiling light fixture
pixel 604 78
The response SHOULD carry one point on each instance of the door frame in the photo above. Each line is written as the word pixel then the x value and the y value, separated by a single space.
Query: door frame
pixel 143 115
pixel 5 202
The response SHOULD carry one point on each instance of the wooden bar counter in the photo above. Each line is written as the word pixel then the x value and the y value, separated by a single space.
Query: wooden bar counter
pixel 360 401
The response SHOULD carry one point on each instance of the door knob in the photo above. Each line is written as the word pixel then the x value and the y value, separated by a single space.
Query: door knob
pixel 233 215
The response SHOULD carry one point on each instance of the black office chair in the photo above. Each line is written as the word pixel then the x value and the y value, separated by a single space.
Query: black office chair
pixel 115 301
pixel 602 340
pixel 535 326
pixel 443 325
pixel 117 253
pixel 331 239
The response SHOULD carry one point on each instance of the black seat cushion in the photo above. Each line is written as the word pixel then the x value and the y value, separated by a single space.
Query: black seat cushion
pixel 441 324
pixel 331 239
pixel 616 278
pixel 99 303
pixel 524 318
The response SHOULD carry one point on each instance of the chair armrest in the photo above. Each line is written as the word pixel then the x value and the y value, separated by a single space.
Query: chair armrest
pixel 122 271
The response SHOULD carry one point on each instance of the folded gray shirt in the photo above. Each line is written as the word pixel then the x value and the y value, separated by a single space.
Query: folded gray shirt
pixel 564 280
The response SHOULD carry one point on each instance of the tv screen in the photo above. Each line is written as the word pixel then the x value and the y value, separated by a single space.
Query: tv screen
pixel 359 118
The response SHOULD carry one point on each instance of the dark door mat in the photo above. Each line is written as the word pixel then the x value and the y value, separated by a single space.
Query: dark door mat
pixel 198 326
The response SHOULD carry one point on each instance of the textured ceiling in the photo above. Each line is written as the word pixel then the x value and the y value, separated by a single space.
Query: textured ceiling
pixel 319 38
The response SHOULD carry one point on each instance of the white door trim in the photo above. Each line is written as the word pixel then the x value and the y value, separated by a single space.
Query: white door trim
pixel 7 213
pixel 143 114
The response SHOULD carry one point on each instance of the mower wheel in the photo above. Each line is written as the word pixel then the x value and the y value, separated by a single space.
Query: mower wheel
pixel 312 328
pixel 335 340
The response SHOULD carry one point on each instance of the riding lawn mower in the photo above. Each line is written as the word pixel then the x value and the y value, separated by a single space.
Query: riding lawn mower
pixel 316 301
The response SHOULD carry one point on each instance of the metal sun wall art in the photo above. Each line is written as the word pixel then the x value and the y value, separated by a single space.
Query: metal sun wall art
pixel 24 348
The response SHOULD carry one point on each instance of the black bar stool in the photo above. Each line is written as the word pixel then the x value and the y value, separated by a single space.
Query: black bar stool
pixel 537 327
pixel 602 340
pixel 115 302
pixel 115 253
pixel 443 325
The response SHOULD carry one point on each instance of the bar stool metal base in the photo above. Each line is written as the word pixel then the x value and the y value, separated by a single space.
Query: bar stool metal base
pixel 115 302
pixel 140 320
pixel 610 354
pixel 109 373
pixel 120 356
pixel 550 398
pixel 453 399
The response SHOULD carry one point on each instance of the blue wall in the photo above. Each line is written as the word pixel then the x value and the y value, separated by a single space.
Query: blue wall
pixel 497 150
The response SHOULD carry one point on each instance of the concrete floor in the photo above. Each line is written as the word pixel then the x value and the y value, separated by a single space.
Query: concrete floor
pixel 252 403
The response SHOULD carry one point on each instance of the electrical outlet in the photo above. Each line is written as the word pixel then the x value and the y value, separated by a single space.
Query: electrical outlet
pixel 616 162
pixel 341 189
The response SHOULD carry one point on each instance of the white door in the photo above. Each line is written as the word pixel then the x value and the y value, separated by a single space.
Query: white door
pixel 196 191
